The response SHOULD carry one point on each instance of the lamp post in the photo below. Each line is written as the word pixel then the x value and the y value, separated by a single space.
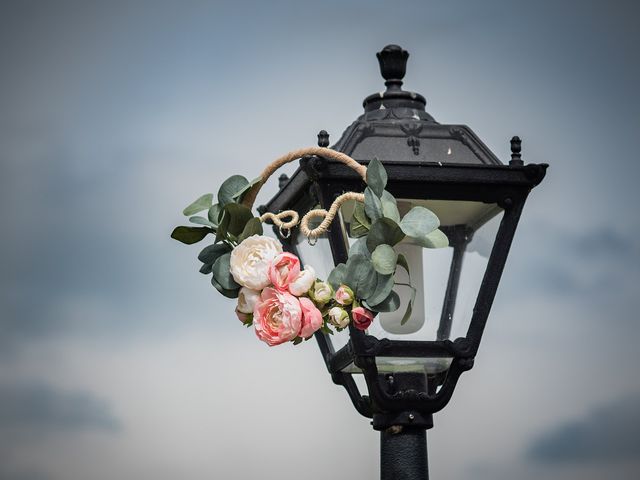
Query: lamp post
pixel 397 373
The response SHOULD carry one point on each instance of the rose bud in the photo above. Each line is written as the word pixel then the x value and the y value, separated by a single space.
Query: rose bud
pixel 362 318
pixel 344 295
pixel 338 317
pixel 245 318
pixel 321 293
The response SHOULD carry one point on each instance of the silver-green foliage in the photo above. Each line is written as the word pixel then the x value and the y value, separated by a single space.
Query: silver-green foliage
pixel 378 227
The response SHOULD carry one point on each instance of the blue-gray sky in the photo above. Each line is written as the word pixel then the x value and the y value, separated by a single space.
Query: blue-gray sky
pixel 115 359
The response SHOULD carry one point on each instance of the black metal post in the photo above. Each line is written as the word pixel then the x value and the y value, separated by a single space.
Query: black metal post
pixel 403 454
pixel 403 443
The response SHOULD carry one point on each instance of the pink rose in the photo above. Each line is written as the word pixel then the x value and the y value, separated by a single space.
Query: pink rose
pixel 311 318
pixel 283 270
pixel 362 318
pixel 277 317
pixel 344 295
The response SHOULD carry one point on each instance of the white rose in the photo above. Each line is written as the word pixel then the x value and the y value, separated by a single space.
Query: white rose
pixel 250 261
pixel 338 317
pixel 247 299
pixel 303 282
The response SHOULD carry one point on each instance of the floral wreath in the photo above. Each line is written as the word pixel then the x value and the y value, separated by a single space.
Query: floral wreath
pixel 280 299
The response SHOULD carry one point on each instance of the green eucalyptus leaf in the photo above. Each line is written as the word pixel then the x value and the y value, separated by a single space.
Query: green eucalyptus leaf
pixel 239 195
pixel 360 276
pixel 356 229
pixel 402 261
pixel 190 235
pixel 359 247
pixel 202 203
pixel 383 231
pixel 336 277
pixel 360 223
pixel 253 227
pixel 419 222
pixel 201 221
pixel 221 231
pixel 238 216
pixel 230 187
pixel 384 285
pixel 376 176
pixel 214 213
pixel 384 259
pixel 435 239
pixel 407 313
pixel 372 204
pixel 389 304
pixel 229 293
pixel 206 268
pixel 222 272
pixel 390 207
pixel 211 253
pixel 360 214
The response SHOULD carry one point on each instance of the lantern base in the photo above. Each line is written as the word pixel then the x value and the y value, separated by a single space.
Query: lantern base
pixel 384 421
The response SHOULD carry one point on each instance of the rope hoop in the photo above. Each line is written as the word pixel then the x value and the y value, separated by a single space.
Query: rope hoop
pixel 327 216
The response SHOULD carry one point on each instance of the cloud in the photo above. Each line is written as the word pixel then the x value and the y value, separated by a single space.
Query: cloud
pixel 23 475
pixel 44 408
pixel 608 433
pixel 594 262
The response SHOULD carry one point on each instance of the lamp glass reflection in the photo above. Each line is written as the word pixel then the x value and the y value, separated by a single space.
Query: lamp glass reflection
pixel 446 280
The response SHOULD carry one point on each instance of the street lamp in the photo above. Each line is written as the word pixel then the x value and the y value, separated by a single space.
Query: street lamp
pixel 410 369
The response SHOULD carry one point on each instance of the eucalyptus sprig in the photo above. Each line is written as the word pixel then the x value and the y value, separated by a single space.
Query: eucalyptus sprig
pixel 230 222
pixel 377 225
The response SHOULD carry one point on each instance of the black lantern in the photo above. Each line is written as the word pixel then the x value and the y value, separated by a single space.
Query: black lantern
pixel 400 373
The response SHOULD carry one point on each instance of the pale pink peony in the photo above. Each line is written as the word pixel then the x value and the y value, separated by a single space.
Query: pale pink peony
pixel 311 318
pixel 251 259
pixel 362 318
pixel 247 300
pixel 283 270
pixel 303 282
pixel 344 295
pixel 277 317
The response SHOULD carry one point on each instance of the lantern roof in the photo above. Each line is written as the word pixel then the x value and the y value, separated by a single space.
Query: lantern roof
pixel 396 128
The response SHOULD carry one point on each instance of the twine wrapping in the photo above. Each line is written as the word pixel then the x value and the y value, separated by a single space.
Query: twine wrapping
pixel 327 216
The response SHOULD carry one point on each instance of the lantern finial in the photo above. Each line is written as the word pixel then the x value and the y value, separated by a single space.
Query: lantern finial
pixel 393 65
pixel 516 148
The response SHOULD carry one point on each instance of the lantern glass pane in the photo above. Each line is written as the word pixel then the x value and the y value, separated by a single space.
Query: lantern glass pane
pixel 446 280
pixel 320 257
pixel 429 366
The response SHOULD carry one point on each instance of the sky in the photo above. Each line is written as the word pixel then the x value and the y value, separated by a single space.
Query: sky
pixel 118 359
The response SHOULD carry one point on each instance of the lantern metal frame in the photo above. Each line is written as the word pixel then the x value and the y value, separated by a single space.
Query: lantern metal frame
pixel 320 180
